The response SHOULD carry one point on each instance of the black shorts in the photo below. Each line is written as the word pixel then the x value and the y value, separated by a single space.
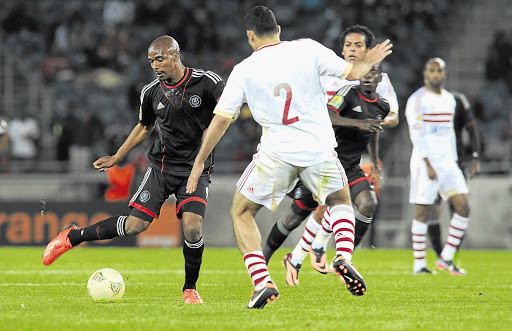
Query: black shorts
pixel 156 187
pixel 303 202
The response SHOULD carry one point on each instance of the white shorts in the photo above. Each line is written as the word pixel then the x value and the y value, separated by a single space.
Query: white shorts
pixel 266 179
pixel 450 181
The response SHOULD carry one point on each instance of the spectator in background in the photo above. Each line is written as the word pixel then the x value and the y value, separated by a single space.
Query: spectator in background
pixel 4 134
pixel 24 134
pixel 499 57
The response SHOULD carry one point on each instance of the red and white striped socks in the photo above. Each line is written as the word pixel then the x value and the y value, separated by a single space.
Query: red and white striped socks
pixel 458 227
pixel 324 234
pixel 419 244
pixel 301 250
pixel 257 268
pixel 342 222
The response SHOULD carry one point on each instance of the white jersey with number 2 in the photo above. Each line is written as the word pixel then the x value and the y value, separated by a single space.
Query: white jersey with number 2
pixel 281 85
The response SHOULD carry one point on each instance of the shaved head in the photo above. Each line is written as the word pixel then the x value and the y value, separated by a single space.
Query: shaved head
pixel 165 43
pixel 437 60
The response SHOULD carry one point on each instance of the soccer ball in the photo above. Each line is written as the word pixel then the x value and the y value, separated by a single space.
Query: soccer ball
pixel 106 285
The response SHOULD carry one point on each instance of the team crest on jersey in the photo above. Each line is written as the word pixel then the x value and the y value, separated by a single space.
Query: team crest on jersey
pixel 144 196
pixel 297 194
pixel 195 101
pixel 336 101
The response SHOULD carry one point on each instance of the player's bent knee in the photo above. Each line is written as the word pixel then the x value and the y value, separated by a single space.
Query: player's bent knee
pixel 135 225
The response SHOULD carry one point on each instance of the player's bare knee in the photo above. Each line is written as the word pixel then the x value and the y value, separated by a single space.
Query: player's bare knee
pixel 339 197
pixel 463 209
pixel 133 226
pixel 367 203
pixel 292 221
pixel 368 208
pixel 192 227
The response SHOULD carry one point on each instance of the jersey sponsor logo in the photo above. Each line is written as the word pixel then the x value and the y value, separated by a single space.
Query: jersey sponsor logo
pixel 195 101
pixel 357 109
pixel 144 196
pixel 336 101
pixel 160 106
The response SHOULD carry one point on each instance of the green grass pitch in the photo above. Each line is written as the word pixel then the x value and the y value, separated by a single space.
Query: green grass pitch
pixel 35 297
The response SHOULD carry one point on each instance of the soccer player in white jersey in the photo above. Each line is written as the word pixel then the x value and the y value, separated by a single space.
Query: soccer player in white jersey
pixel 280 82
pixel 355 41
pixel 430 116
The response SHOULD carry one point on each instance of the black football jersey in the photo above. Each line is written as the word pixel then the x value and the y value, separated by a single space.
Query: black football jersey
pixel 352 142
pixel 183 112
pixel 463 118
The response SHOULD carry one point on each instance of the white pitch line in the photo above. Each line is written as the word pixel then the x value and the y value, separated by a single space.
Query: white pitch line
pixel 85 284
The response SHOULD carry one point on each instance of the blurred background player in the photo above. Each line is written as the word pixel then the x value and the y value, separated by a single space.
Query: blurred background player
pixel 467 158
pixel 350 104
pixel 280 82
pixel 182 101
pixel 4 134
pixel 430 115
pixel 355 41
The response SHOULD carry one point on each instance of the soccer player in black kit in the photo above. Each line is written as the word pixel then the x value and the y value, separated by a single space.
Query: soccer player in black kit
pixel 181 100
pixel 355 111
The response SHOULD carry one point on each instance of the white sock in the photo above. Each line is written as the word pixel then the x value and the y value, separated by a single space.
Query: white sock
pixel 300 251
pixel 257 268
pixel 419 244
pixel 342 222
pixel 458 226
pixel 324 234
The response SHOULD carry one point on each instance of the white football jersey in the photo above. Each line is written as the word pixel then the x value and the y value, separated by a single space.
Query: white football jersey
pixel 281 85
pixel 430 119
pixel 385 89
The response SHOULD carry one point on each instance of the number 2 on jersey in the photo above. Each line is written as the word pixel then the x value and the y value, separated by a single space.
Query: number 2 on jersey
pixel 287 88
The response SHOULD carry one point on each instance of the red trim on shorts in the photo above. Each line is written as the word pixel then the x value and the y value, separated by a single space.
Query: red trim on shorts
pixel 360 180
pixel 143 209
pixel 249 169
pixel 203 201
pixel 437 121
pixel 437 114
pixel 301 206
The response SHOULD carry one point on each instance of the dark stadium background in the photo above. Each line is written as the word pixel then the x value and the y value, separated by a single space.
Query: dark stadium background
pixel 76 68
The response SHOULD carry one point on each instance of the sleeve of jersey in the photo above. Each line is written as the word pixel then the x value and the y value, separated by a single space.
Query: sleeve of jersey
pixel 216 86
pixel 232 97
pixel 147 114
pixel 465 108
pixel 330 64
pixel 415 122
pixel 386 90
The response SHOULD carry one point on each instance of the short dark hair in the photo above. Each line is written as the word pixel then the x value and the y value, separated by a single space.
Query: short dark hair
pixel 369 38
pixel 261 21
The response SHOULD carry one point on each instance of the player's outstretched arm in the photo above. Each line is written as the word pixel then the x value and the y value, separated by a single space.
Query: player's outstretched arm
pixel 373 56
pixel 391 120
pixel 368 124
pixel 214 133
pixel 373 151
pixel 138 135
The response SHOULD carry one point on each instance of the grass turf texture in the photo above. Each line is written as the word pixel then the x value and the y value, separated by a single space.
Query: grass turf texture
pixel 34 297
